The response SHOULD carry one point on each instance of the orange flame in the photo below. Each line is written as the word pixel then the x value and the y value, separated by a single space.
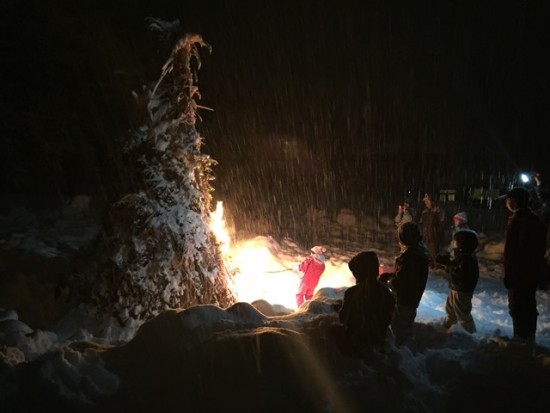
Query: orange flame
pixel 265 270
pixel 217 224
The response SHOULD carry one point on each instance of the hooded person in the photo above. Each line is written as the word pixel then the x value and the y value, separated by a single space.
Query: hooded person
pixel 367 307
pixel 312 268
pixel 524 263
pixel 464 274
pixel 408 281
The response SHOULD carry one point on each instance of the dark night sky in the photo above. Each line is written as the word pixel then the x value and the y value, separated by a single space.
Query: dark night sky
pixel 323 99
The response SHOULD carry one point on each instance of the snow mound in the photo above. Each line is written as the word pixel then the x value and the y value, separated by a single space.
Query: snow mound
pixel 492 250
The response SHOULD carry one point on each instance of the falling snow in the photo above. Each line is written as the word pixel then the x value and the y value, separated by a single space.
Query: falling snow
pixel 257 344
pixel 324 117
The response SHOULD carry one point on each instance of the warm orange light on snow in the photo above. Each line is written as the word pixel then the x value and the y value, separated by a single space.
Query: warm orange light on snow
pixel 266 271
pixel 262 274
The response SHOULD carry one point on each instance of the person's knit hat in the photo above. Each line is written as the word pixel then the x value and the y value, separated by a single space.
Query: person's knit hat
pixel 318 250
pixel 318 253
pixel 427 197
pixel 461 217
pixel 466 241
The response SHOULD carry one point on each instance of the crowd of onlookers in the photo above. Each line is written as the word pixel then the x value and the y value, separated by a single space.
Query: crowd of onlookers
pixel 382 306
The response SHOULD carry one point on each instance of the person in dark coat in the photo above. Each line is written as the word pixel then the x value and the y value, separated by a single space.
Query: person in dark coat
pixel 464 275
pixel 542 195
pixel 432 224
pixel 367 307
pixel 524 250
pixel 408 281
pixel 543 211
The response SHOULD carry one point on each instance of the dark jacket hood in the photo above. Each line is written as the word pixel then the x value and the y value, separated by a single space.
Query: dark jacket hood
pixel 466 241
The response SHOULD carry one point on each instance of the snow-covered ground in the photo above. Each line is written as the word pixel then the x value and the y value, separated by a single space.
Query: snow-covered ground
pixel 263 354
pixel 266 273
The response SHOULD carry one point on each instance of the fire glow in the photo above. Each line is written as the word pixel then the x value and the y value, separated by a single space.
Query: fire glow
pixel 266 271
pixel 217 224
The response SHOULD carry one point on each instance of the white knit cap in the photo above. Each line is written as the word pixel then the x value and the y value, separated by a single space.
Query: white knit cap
pixel 318 250
pixel 461 217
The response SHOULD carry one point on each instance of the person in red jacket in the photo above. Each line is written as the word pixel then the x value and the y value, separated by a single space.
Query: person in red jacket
pixel 312 268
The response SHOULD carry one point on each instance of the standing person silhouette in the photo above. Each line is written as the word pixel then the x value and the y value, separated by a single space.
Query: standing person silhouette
pixel 524 250
pixel 432 225
pixel 408 281
pixel 543 211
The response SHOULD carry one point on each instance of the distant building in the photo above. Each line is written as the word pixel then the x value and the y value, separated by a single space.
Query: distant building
pixel 483 197
pixel 447 196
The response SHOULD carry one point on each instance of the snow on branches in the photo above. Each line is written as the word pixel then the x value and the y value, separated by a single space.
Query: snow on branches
pixel 163 253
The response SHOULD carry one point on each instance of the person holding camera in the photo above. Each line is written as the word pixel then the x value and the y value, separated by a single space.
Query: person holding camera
pixel 404 213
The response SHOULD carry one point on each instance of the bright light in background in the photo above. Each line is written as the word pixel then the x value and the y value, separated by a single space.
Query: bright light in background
pixel 524 178
pixel 264 268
